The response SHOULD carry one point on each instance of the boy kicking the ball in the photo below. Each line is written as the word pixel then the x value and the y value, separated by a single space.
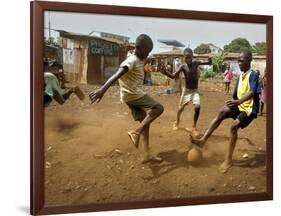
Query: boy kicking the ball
pixel 144 109
pixel 190 92
pixel 243 108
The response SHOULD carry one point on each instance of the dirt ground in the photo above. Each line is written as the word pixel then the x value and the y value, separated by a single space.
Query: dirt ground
pixel 90 159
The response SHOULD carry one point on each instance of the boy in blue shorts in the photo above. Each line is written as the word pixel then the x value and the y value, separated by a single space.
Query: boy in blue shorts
pixel 243 108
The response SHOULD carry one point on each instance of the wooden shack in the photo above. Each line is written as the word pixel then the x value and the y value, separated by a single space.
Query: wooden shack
pixel 91 59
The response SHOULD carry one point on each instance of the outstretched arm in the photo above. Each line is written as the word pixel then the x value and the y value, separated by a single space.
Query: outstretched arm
pixel 96 96
pixel 172 75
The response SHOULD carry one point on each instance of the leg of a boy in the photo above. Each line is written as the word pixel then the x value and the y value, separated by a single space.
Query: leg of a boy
pixel 261 112
pixel 147 156
pixel 180 110
pixel 213 126
pixel 228 84
pixel 146 139
pixel 76 90
pixel 196 114
pixel 194 131
pixel 67 94
pixel 145 134
pixel 232 143
pixel 155 112
pixel 216 122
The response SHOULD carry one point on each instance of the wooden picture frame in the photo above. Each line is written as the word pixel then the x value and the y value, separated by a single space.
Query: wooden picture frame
pixel 37 165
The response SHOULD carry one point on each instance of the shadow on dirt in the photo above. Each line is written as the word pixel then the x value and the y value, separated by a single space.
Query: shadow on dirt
pixel 173 160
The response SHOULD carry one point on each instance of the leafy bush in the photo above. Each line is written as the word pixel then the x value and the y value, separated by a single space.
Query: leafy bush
pixel 208 73
pixel 217 61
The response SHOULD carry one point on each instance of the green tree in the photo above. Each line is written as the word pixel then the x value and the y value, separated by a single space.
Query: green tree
pixel 237 45
pixel 202 49
pixel 217 61
pixel 259 48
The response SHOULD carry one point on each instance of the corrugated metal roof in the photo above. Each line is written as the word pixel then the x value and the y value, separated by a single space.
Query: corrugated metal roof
pixel 211 44
pixel 174 43
pixel 73 35
pixel 231 55
pixel 178 52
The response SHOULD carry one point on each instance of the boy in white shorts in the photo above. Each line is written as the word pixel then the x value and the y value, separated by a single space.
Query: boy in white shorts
pixel 190 92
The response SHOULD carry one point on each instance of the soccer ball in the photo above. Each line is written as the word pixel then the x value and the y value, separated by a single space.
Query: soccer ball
pixel 194 156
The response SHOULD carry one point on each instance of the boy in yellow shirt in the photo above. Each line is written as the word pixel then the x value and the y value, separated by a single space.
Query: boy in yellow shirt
pixel 144 109
pixel 243 108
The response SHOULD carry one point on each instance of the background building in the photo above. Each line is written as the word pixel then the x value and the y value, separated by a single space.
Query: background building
pixel 92 59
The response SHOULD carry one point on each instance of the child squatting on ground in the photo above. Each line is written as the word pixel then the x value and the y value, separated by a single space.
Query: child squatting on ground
pixel 190 91
pixel 243 108
pixel 144 109
pixel 54 91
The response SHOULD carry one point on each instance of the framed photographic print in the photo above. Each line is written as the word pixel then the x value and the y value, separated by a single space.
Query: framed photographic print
pixel 145 107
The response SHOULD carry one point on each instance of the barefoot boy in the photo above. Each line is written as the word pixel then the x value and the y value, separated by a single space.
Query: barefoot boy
pixel 144 108
pixel 190 92
pixel 243 108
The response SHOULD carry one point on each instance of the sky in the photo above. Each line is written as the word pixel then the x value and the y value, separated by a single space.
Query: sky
pixel 189 32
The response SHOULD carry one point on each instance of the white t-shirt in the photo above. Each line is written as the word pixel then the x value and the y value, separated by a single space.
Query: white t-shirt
pixel 131 83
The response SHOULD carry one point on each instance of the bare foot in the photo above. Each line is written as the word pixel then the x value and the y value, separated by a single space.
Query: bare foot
pixel 176 126
pixel 195 133
pixel 199 142
pixel 150 158
pixel 225 166
pixel 135 137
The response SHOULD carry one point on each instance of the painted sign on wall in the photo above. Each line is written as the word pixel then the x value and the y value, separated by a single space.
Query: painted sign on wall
pixel 103 48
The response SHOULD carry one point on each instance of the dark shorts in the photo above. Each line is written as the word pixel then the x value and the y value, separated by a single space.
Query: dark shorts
pixel 242 116
pixel 140 106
